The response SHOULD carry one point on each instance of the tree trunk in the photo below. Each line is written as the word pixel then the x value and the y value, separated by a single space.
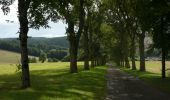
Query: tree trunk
pixel 86 49
pixel 142 51
pixel 92 64
pixel 74 38
pixel 133 54
pixel 163 47
pixel 127 62
pixel 73 47
pixel 22 8
pixel 125 49
pixel 73 56
pixel 163 63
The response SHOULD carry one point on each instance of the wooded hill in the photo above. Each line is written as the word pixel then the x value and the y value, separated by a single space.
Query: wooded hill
pixel 36 45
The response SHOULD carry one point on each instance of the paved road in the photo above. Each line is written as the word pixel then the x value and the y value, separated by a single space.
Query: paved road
pixel 122 86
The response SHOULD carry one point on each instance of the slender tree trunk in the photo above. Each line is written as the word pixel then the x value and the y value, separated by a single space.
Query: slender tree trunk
pixel 86 49
pixel 125 49
pixel 133 54
pixel 163 49
pixel 95 63
pixel 126 52
pixel 127 62
pixel 22 8
pixel 92 63
pixel 86 65
pixel 163 63
pixel 142 51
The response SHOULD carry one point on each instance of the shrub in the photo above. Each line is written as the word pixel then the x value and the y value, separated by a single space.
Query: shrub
pixel 66 58
pixel 52 60
pixel 32 60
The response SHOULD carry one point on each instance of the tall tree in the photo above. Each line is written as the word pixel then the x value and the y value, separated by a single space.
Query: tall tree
pixel 86 43
pixel 23 6
pixel 161 22
pixel 73 36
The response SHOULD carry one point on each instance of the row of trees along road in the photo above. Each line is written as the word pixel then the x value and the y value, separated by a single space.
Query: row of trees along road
pixel 103 29
pixel 38 13
pixel 131 21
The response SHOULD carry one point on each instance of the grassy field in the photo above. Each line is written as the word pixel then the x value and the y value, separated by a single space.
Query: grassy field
pixel 154 66
pixel 52 81
pixel 9 57
pixel 152 75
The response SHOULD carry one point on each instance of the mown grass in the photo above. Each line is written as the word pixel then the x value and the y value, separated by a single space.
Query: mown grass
pixel 152 75
pixel 9 57
pixel 154 66
pixel 52 81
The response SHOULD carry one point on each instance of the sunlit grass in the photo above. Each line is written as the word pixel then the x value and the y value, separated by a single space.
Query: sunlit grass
pixel 154 66
pixel 9 57
pixel 52 81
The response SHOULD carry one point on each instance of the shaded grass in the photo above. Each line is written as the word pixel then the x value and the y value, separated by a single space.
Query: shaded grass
pixel 52 81
pixel 154 79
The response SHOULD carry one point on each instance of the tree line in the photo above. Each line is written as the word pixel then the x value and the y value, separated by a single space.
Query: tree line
pixel 133 20
pixel 53 47
pixel 99 30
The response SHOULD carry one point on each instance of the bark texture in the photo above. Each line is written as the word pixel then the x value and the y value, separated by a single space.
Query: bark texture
pixel 23 6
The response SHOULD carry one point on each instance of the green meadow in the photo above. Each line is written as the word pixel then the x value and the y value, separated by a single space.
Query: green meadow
pixel 9 57
pixel 52 81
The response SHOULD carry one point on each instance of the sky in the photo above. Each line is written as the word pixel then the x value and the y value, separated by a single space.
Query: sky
pixel 9 30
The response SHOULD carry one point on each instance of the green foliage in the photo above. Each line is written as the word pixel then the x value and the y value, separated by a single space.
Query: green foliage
pixel 57 54
pixel 32 60
pixel 66 58
pixel 18 67
pixel 35 44
pixel 52 60
pixel 42 57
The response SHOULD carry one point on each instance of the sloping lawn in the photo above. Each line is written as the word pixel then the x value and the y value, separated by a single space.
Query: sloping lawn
pixel 52 81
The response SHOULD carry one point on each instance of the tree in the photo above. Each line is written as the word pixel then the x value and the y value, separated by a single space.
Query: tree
pixel 160 14
pixel 73 12
pixel 117 17
pixel 30 15
pixel 42 57
pixel 89 5
pixel 86 42
pixel 23 6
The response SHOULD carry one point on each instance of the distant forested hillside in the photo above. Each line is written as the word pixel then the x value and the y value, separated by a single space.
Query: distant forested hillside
pixel 37 45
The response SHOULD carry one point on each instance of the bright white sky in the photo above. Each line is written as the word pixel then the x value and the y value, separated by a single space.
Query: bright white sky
pixel 10 29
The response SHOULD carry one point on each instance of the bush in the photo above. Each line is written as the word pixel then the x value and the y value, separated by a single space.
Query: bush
pixel 55 60
pixel 58 54
pixel 32 60
pixel 66 59
pixel 42 57
pixel 52 60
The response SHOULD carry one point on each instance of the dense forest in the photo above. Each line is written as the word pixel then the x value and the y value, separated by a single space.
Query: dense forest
pixel 52 47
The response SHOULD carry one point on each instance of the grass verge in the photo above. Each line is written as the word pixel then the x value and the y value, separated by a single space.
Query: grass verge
pixel 154 79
